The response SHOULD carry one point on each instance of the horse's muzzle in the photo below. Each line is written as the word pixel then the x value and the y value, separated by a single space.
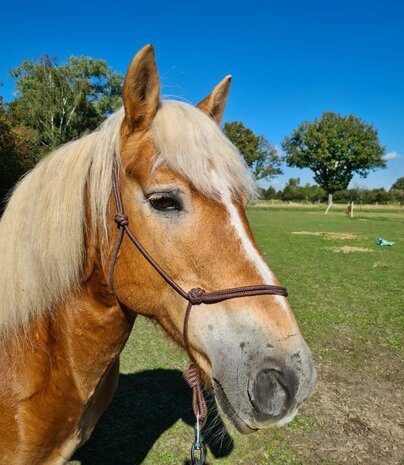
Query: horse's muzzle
pixel 266 393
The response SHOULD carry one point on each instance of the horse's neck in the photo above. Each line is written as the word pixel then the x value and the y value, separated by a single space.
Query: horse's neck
pixel 65 370
pixel 76 343
pixel 93 327
pixel 93 331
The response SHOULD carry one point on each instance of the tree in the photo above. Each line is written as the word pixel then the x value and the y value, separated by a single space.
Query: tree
pixel 293 182
pixel 334 147
pixel 378 196
pixel 397 195
pixel 61 103
pixel 18 152
pixel 313 193
pixel 268 194
pixel 399 184
pixel 261 157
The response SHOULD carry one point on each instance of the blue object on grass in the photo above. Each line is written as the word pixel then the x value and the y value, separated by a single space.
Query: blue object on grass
pixel 383 242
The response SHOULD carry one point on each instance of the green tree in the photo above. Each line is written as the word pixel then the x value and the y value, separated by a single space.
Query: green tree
pixel 313 193
pixel 293 190
pixel 334 147
pixel 18 152
pixel 261 157
pixel 399 184
pixel 61 102
pixel 378 196
pixel 293 182
pixel 268 194
pixel 397 195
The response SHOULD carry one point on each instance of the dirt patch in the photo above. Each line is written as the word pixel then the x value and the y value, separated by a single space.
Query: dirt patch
pixel 357 420
pixel 348 249
pixel 342 236
pixel 380 265
pixel 330 235
pixel 308 233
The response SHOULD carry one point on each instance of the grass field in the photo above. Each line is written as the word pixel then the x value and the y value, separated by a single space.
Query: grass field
pixel 347 294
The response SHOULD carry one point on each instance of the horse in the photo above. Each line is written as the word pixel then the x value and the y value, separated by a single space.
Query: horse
pixel 72 283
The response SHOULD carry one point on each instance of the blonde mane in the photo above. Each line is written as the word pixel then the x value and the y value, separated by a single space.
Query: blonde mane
pixel 42 230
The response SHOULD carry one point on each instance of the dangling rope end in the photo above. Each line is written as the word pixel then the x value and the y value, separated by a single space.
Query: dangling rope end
pixel 193 379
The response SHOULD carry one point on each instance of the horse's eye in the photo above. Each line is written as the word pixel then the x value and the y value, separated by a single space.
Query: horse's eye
pixel 163 202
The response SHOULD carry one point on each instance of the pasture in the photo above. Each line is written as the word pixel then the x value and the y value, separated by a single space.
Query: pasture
pixel 347 295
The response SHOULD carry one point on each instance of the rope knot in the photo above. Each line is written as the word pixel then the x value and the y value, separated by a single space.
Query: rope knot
pixel 121 220
pixel 191 376
pixel 195 296
pixel 193 379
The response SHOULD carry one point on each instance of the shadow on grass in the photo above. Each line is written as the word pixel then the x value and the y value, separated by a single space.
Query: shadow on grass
pixel 145 405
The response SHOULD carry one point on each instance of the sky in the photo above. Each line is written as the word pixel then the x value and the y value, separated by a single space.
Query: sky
pixel 290 60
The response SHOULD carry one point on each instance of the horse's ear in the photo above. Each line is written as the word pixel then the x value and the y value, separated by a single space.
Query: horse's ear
pixel 141 90
pixel 213 105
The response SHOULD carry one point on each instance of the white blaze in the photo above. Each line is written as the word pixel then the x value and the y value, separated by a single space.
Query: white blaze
pixel 251 252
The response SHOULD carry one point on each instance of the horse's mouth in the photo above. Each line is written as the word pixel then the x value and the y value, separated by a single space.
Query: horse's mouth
pixel 228 409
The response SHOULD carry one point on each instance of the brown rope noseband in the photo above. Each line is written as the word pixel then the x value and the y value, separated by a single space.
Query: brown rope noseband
pixel 195 296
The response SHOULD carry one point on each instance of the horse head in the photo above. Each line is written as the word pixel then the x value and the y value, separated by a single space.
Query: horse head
pixel 184 188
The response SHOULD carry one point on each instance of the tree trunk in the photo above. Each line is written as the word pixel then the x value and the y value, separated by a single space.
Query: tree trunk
pixel 329 203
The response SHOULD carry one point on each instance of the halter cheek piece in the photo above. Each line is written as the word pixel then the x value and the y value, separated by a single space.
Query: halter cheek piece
pixel 195 296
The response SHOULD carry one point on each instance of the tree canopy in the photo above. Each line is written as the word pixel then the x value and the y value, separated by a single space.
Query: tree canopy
pixel 261 157
pixel 399 184
pixel 54 104
pixel 61 102
pixel 334 147
pixel 293 192
pixel 18 151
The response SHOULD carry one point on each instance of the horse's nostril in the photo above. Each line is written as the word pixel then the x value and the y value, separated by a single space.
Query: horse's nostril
pixel 269 393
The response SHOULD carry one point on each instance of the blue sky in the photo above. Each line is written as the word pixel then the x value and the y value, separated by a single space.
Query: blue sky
pixel 290 60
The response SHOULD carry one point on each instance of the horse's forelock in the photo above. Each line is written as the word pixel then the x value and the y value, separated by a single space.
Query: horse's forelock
pixel 191 143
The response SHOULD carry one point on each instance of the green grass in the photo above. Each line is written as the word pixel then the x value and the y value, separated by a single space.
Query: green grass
pixel 354 300
pixel 349 307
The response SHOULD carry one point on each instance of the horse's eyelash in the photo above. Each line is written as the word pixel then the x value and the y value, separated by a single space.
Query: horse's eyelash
pixel 172 193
